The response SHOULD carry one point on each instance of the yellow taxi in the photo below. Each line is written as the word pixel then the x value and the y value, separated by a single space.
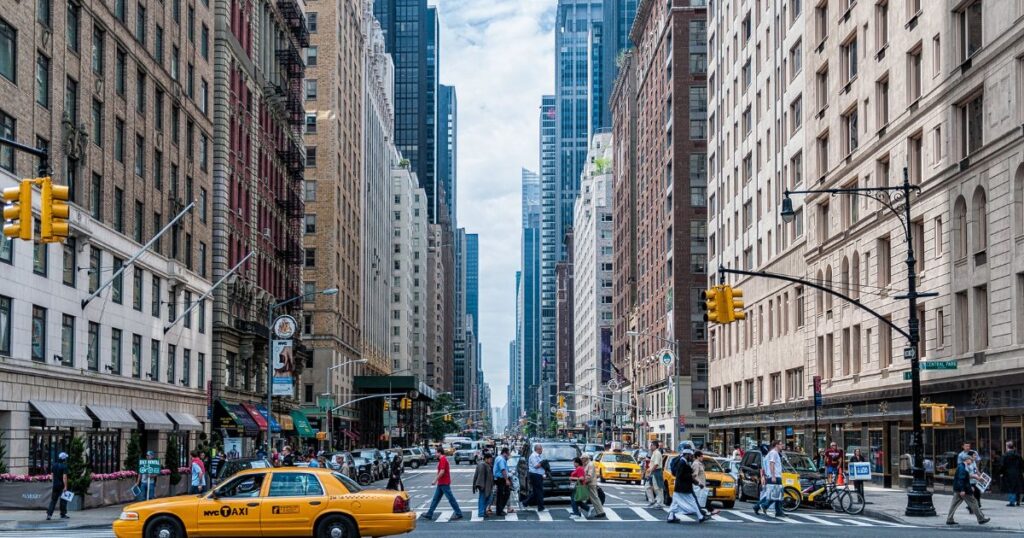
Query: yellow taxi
pixel 721 485
pixel 290 501
pixel 617 465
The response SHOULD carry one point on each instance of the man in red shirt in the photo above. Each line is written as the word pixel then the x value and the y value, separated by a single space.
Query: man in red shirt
pixel 833 461
pixel 443 481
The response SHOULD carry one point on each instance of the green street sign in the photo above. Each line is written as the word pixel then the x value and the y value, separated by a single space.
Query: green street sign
pixel 907 376
pixel 938 365
pixel 149 466
pixel 325 403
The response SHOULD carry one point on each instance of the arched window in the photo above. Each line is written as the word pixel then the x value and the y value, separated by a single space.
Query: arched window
pixel 828 284
pixel 855 273
pixel 960 228
pixel 844 276
pixel 819 302
pixel 979 219
pixel 1018 201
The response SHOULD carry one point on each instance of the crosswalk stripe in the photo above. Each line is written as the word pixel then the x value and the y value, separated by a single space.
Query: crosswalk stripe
pixel 818 520
pixel 445 516
pixel 475 515
pixel 746 516
pixel 544 516
pixel 512 517
pixel 612 516
pixel 644 514
pixel 789 519
pixel 857 522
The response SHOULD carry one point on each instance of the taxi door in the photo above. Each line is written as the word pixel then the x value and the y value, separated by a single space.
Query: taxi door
pixel 233 509
pixel 292 504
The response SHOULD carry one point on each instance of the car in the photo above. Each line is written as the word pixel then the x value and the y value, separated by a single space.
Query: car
pixel 231 467
pixel 559 456
pixel 617 466
pixel 282 501
pixel 364 470
pixel 592 449
pixel 413 457
pixel 721 486
pixel 376 458
pixel 732 467
pixel 639 454
pixel 469 453
pixel 798 473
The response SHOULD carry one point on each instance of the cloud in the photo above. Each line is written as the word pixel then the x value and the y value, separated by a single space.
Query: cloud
pixel 499 55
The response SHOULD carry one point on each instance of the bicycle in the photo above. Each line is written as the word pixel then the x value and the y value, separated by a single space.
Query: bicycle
pixel 840 498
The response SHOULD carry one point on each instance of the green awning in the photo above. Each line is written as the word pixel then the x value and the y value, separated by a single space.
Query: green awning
pixel 302 426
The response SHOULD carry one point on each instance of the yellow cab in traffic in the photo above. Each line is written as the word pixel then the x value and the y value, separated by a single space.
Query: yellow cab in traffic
pixel 617 466
pixel 721 485
pixel 288 501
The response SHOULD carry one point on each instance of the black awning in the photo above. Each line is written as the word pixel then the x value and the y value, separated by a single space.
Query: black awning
pixel 235 420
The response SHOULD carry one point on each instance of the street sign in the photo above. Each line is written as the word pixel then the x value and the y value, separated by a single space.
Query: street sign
pixel 907 376
pixel 149 466
pixel 667 357
pixel 909 353
pixel 939 365
pixel 325 403
pixel 284 326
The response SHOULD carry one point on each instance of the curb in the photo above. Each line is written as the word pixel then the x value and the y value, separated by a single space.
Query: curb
pixel 925 522
pixel 33 526
pixel 876 514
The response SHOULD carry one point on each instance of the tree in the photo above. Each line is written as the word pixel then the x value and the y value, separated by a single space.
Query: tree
pixel 133 454
pixel 444 405
pixel 173 460
pixel 3 454
pixel 79 473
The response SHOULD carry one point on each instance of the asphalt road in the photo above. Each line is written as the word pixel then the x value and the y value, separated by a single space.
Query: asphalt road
pixel 627 511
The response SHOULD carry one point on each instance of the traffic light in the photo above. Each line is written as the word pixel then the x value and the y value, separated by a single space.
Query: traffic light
pixel 387 405
pixel 561 400
pixel 54 212
pixel 734 307
pixel 18 210
pixel 405 404
pixel 710 305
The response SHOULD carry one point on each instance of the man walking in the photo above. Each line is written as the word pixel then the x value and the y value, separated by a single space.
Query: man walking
pixel 590 472
pixel 962 492
pixel 1011 466
pixel 198 474
pixel 535 468
pixel 503 480
pixel 655 472
pixel 483 484
pixel 443 481
pixel 60 485
pixel 773 481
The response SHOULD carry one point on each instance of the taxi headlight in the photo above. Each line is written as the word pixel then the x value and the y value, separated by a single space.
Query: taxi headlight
pixel 129 516
pixel 728 484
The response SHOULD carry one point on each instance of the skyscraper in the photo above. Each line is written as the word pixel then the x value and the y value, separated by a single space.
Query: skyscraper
pixel 615 25
pixel 447 142
pixel 546 250
pixel 473 280
pixel 410 36
pixel 528 294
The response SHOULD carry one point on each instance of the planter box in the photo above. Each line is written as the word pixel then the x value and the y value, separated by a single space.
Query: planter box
pixel 36 495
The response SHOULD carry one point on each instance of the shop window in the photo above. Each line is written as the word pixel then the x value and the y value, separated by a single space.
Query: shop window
pixel 43 446
pixel 104 451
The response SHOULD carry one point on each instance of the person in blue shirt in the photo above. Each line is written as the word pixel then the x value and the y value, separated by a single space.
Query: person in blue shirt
pixel 503 480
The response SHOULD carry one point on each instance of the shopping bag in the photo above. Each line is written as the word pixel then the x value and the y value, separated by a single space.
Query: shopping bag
pixel 775 492
pixel 67 496
pixel 702 496
pixel 581 493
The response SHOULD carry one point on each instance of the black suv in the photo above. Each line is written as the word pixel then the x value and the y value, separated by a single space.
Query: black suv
pixel 558 458
pixel 792 463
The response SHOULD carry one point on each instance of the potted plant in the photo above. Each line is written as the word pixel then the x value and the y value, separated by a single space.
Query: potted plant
pixel 133 453
pixel 79 474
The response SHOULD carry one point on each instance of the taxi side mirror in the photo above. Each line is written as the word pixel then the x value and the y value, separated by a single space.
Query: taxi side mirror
pixel 213 495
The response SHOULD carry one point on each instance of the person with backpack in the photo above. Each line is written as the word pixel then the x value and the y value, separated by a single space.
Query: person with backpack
pixel 684 501
pixel 963 492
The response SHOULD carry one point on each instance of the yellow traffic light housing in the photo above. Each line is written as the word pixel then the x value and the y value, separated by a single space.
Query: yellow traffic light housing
pixel 735 307
pixel 18 210
pixel 711 305
pixel 54 212
pixel 387 405
pixel 561 400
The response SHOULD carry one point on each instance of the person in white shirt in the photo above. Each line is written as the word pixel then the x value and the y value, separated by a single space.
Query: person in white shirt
pixel 773 480
pixel 535 470
pixel 655 470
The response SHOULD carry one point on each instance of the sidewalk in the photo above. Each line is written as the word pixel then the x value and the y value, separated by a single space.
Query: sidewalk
pixel 890 504
pixel 95 518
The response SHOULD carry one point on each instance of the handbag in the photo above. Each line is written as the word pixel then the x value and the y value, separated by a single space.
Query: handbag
pixel 581 493
pixel 775 492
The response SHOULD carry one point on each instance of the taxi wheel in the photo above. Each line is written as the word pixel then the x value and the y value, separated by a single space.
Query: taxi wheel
pixel 600 476
pixel 164 527
pixel 728 504
pixel 336 527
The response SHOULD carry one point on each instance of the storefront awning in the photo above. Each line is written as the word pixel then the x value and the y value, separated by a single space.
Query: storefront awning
pixel 61 414
pixel 152 419
pixel 113 417
pixel 185 421
pixel 274 426
pixel 287 424
pixel 302 426
pixel 350 435
pixel 234 419
pixel 255 415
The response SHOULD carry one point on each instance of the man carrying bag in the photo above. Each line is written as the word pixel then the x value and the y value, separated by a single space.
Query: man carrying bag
pixel 773 481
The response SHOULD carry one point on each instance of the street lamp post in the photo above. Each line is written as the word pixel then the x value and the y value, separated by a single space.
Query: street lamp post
pixel 330 393
pixel 270 356
pixel 919 499
pixel 677 404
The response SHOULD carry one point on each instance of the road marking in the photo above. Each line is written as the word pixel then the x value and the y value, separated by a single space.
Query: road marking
pixel 644 514
pixel 746 516
pixel 475 516
pixel 512 517
pixel 612 516
pixel 789 519
pixel 857 522
pixel 544 516
pixel 445 516
pixel 817 520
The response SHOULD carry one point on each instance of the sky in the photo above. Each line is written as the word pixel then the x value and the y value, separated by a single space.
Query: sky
pixel 499 55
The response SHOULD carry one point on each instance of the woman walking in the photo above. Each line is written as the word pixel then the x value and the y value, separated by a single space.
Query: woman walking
pixel 684 502
pixel 395 477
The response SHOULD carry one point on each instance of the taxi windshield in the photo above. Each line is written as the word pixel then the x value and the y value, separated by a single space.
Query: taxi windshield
pixel 349 484
pixel 800 463
pixel 712 466
pixel 617 458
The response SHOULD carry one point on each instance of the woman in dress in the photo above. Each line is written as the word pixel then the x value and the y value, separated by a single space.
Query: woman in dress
pixel 684 502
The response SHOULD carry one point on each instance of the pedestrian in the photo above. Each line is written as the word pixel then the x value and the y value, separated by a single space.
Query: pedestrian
pixel 972 470
pixel 59 470
pixel 656 470
pixel 483 484
pixel 773 481
pixel 287 458
pixel 535 468
pixel 443 483
pixel 523 478
pixel 503 480
pixel 146 483
pixel 858 457
pixel 736 454
pixel 833 461
pixel 1011 466
pixel 198 474
pixel 648 482
pixel 684 501
pixel 597 509
pixel 395 474
pixel 700 481
pixel 216 465
pixel 207 467
pixel 580 491
pixel 962 492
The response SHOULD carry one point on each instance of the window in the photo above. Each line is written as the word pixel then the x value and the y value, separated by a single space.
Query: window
pixel 8 51
pixel 980 313
pixel 97 123
pixel 119 209
pixel 311 54
pixel 201 370
pixel 5 325
pixel 137 356
pixel 43 81
pixel 795 60
pixel 140 156
pixel 154 360
pixel 95 260
pixel 884 248
pixel 172 363
pixel 914 74
pixel 821 87
pixel 698 112
pixel 776 381
pixel 158 44
pixel 121 10
pixel 310 257
pixel 44 12
pixel 823 155
pixel 40 254
pixel 73 25
pixel 204 42
pixel 7 130
pixel 67 340
pixel 850 138
pixel 310 190
pixel 186 367
pixel 959 229
pixel 823 222
pixel 310 224
pixel 154 300
pixel 969 25
pixel 311 22
pixel 119 140
pixel 969 117
pixel 795 384
pixel 117 293
pixel 821 22
pixel 175 62
pixel 70 261
pixel 848 59
pixel 121 72
pixel 38 333
pixel 140 23
pixel 115 351
pixel 310 157
pixel 937 144
pixel 882 100
pixel 187 304
pixel 881 24
pixel 310 88
pixel 979 218
pixel 915 158
pixel 796 115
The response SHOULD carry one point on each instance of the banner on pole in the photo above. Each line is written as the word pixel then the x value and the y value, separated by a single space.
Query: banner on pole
pixel 284 367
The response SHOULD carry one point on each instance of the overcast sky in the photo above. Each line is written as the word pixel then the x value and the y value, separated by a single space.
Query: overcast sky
pixel 499 55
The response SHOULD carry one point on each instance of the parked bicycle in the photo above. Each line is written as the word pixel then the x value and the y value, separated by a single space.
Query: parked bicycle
pixel 824 494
